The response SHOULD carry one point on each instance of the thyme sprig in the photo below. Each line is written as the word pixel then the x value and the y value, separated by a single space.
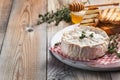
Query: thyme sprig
pixel 83 35
pixel 91 35
pixel 112 47
pixel 62 14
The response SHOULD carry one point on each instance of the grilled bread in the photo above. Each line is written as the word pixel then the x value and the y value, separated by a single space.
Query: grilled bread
pixel 110 29
pixel 111 15
pixel 91 17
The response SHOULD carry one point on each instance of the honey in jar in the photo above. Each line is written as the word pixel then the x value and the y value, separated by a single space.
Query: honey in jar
pixel 77 17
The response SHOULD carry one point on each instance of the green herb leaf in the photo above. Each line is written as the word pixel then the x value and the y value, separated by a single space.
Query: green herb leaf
pixel 83 32
pixel 112 47
pixel 91 35
pixel 58 43
pixel 62 14
pixel 118 54
pixel 82 35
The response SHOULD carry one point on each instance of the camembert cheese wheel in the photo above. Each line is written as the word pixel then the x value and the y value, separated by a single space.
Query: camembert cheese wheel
pixel 85 42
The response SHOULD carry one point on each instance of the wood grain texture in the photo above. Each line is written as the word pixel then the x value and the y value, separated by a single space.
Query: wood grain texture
pixel 23 55
pixel 5 9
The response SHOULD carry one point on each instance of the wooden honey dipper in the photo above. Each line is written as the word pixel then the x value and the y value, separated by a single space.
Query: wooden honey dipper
pixel 78 6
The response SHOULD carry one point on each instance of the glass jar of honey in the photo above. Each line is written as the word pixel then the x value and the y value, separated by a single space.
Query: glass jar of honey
pixel 76 17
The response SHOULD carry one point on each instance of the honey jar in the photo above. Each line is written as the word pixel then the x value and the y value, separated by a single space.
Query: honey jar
pixel 77 17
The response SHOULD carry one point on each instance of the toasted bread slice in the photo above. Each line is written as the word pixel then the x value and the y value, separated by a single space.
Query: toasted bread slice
pixel 92 11
pixel 103 14
pixel 111 15
pixel 110 29
pixel 90 22
pixel 90 16
pixel 111 12
pixel 87 21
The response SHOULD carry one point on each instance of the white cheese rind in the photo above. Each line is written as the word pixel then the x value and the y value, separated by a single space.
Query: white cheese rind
pixel 88 47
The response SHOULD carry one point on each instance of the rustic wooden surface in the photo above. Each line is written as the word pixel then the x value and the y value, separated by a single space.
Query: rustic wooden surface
pixel 24 53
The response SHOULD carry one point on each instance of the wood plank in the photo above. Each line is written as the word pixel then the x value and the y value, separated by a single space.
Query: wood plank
pixel 115 75
pixel 5 8
pixel 23 55
pixel 59 71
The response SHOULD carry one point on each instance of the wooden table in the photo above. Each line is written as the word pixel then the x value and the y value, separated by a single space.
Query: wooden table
pixel 24 48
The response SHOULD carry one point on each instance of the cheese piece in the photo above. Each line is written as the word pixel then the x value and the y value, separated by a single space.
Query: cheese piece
pixel 89 47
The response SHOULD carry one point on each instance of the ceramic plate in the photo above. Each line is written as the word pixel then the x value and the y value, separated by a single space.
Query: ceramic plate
pixel 80 64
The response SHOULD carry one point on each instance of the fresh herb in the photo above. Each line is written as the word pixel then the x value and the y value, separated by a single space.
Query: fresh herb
pixel 57 44
pixel 91 35
pixel 83 32
pixel 82 35
pixel 118 54
pixel 62 14
pixel 112 47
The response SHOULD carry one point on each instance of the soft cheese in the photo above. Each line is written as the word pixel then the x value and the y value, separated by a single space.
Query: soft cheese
pixel 85 42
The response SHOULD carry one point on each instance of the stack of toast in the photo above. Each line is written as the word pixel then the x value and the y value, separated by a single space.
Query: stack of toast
pixel 110 20
pixel 91 17
pixel 107 19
